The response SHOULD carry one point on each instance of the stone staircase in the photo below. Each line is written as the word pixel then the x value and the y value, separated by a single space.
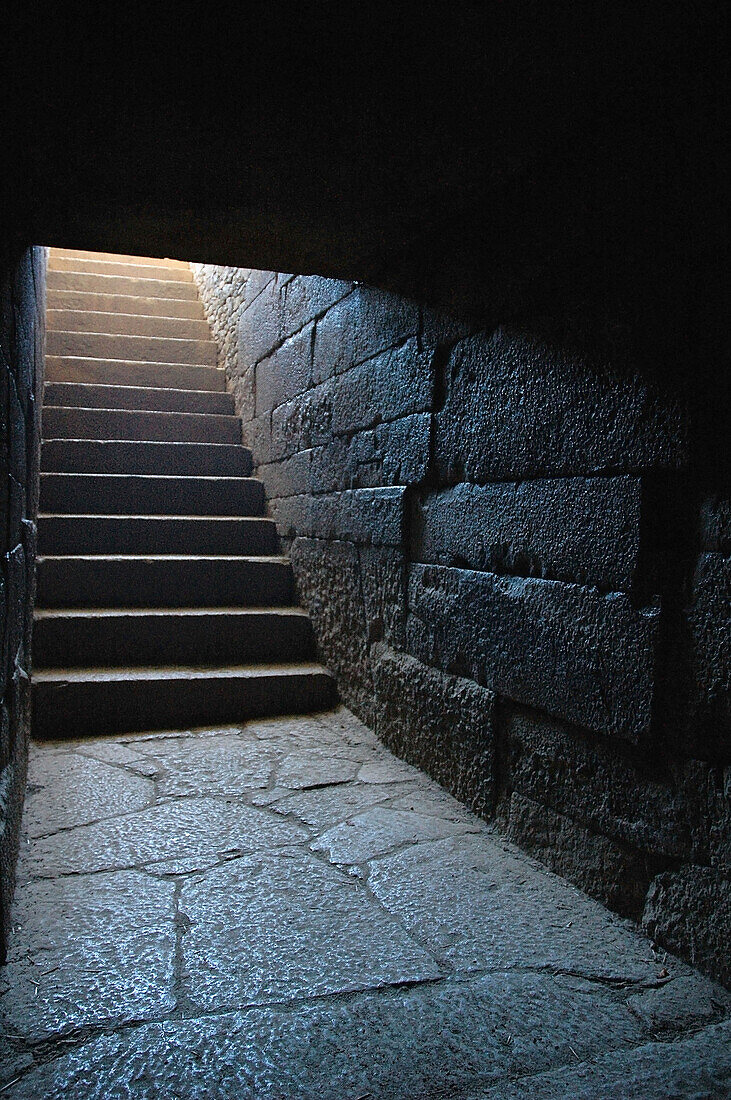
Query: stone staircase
pixel 161 599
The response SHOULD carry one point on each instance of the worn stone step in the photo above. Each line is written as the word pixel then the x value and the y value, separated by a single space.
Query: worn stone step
pixel 75 423
pixel 122 284
pixel 123 303
pixel 95 534
pixel 139 349
pixel 121 372
pixel 166 580
pixel 150 494
pixel 83 395
pixel 68 703
pixel 171 636
pixel 126 324
pixel 121 258
pixel 168 272
pixel 111 456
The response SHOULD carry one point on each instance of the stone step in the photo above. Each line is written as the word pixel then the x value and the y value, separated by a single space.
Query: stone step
pixel 96 534
pixel 164 580
pixel 171 636
pixel 122 284
pixel 68 703
pixel 125 324
pixel 123 303
pixel 168 272
pixel 74 423
pixel 150 494
pixel 82 395
pixel 121 372
pixel 108 456
pixel 139 349
pixel 112 257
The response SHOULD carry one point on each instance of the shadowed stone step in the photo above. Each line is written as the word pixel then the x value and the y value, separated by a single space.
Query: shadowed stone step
pixel 138 398
pixel 128 324
pixel 76 423
pixel 92 534
pixel 121 372
pixel 68 703
pixel 143 494
pixel 169 272
pixel 164 581
pixel 142 349
pixel 176 636
pixel 122 284
pixel 111 456
pixel 123 303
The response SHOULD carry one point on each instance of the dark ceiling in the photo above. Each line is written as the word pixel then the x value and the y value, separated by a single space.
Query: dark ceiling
pixel 491 158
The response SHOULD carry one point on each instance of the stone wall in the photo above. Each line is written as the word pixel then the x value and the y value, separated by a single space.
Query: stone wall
pixel 515 549
pixel 22 334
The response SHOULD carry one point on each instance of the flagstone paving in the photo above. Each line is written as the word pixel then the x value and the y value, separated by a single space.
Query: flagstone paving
pixel 284 910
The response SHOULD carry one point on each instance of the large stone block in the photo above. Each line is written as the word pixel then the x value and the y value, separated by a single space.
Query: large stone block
pixel 290 477
pixel 710 637
pixel 618 876
pixel 392 385
pixel 563 648
pixel 306 297
pixel 260 326
pixel 517 408
pixel 285 373
pixel 576 529
pixel 676 811
pixel 442 724
pixel 303 423
pixel 328 578
pixel 689 912
pixel 364 516
pixel 365 323
pixel 383 584
pixel 395 453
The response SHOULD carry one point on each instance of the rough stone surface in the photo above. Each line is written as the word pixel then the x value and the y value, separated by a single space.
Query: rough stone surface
pixel 559 484
pixel 570 529
pixel 300 914
pixel 690 911
pixel 579 655
pixel 22 340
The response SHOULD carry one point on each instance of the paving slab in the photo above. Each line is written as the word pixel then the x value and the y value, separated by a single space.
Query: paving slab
pixel 281 910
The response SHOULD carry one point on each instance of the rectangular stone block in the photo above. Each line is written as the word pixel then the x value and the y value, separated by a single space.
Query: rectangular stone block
pixel 260 326
pixel 363 516
pixel 575 529
pixel 563 648
pixel 303 423
pixel 285 373
pixel 442 724
pixel 396 453
pixel 710 656
pixel 392 385
pixel 290 477
pixel 306 297
pixel 366 322
pixel 516 408
pixel 688 912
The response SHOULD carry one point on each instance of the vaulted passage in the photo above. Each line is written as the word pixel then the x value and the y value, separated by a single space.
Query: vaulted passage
pixel 161 600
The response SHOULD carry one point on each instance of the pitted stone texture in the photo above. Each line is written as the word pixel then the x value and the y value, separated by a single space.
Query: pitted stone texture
pixel 697 1068
pixel 689 911
pixel 228 766
pixel 380 830
pixel 477 905
pixel 99 950
pixel 328 806
pixel 564 648
pixel 68 790
pixel 286 926
pixel 198 829
pixel 412 1044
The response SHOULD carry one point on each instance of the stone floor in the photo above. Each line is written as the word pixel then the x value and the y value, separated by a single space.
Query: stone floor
pixel 284 910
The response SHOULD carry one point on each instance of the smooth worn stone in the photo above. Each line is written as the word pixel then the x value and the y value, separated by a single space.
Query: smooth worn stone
pixel 287 926
pixel 67 790
pixel 90 949
pixel 316 768
pixel 680 1004
pixel 198 827
pixel 228 766
pixel 428 1041
pixel 380 830
pixel 328 806
pixel 477 905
